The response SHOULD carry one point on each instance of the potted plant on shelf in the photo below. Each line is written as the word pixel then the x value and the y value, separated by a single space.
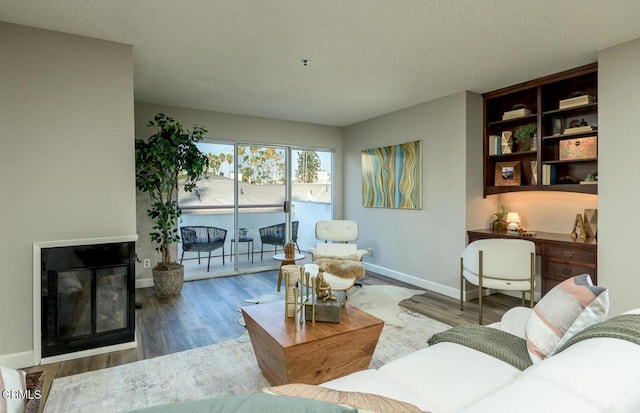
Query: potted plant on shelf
pixel 166 161
pixel 526 137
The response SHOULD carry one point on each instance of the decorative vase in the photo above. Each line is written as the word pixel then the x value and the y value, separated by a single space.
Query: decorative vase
pixel 290 249
pixel 168 283
pixel 498 225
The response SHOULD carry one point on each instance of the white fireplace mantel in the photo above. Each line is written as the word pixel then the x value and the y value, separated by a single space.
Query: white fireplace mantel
pixel 37 345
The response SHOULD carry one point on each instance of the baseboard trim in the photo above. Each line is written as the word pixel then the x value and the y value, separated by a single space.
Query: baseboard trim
pixel 412 279
pixel 17 360
pixel 144 282
pixel 87 353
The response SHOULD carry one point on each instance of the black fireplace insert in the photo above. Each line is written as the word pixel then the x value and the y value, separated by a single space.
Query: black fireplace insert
pixel 88 297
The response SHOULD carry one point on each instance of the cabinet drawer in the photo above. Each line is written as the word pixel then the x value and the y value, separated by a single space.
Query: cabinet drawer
pixel 578 255
pixel 562 271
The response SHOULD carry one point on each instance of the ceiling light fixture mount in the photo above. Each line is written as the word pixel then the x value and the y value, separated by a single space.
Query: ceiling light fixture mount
pixel 305 62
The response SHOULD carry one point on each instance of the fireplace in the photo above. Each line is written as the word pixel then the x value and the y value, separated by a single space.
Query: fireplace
pixel 87 296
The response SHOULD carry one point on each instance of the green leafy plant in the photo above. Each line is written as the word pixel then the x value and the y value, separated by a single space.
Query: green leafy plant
pixel 524 132
pixel 500 221
pixel 164 162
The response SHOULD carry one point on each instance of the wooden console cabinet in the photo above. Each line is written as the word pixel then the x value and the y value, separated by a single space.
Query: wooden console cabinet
pixel 562 257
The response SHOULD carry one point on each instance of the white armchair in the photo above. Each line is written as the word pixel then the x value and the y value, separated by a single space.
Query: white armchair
pixel 341 260
pixel 498 263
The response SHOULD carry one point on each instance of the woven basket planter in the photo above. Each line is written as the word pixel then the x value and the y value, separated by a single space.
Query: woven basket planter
pixel 168 283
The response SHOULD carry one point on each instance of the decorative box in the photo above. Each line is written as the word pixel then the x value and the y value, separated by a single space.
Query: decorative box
pixel 327 311
pixel 579 148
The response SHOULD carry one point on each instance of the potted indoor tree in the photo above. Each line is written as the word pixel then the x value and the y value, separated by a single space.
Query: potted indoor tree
pixel 167 160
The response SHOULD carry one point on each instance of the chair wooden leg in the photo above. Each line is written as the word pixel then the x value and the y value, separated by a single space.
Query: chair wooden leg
pixel 522 298
pixel 182 256
pixel 209 261
pixel 198 257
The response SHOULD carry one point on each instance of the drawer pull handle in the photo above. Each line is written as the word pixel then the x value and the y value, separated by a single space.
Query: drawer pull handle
pixel 567 271
pixel 568 254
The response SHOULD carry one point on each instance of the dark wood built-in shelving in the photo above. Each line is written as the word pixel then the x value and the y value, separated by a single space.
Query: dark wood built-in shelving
pixel 542 97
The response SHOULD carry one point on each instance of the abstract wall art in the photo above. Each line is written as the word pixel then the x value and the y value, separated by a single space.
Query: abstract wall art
pixel 391 176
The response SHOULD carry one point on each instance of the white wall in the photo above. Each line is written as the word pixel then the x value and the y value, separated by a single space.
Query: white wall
pixel 619 182
pixel 229 127
pixel 421 246
pixel 66 164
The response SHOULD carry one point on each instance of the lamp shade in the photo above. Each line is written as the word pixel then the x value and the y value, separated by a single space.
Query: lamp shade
pixel 513 217
pixel 513 221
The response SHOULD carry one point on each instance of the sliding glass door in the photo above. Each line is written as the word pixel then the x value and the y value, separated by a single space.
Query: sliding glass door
pixel 261 195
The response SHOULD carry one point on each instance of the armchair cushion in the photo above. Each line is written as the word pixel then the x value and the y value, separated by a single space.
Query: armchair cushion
pixel 567 309
pixel 343 267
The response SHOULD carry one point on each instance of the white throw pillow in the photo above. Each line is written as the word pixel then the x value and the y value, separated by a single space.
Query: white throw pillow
pixel 13 387
pixel 567 309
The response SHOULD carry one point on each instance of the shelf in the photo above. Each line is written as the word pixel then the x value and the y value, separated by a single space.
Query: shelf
pixel 589 107
pixel 556 162
pixel 570 135
pixel 512 155
pixel 531 117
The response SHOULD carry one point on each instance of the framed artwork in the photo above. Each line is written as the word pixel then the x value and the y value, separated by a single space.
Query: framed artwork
pixel 507 173
pixel 392 176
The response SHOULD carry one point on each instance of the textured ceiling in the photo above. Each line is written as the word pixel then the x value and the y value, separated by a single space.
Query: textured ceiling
pixel 367 57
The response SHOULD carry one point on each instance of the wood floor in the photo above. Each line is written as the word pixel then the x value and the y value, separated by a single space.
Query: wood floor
pixel 208 311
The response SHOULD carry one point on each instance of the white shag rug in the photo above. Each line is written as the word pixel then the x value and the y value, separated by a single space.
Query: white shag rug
pixel 223 369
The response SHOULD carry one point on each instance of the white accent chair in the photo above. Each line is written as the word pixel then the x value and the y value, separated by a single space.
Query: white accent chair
pixel 500 264
pixel 339 232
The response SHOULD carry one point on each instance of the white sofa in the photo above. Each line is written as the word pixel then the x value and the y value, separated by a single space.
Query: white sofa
pixel 596 375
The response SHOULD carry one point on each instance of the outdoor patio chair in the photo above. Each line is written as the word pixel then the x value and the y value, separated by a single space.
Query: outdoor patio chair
pixel 202 239
pixel 275 235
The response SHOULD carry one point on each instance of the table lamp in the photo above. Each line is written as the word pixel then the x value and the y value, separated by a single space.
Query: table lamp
pixel 513 221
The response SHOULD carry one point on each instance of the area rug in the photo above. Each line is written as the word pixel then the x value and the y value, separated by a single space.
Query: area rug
pixel 223 369
pixel 382 301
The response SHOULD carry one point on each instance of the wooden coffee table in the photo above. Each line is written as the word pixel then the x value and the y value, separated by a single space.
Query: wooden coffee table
pixel 316 352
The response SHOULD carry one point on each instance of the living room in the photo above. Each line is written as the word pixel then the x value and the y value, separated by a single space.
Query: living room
pixel 70 115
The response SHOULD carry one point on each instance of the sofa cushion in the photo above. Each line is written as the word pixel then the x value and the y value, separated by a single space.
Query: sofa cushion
pixel 13 387
pixel 449 376
pixel 533 395
pixel 375 382
pixel 602 370
pixel 362 401
pixel 567 309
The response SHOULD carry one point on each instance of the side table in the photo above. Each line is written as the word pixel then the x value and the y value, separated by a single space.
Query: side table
pixel 249 242
pixel 286 261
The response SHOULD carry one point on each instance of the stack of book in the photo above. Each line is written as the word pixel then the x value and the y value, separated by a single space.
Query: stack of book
pixel 516 113
pixel 576 101
pixel 548 174
pixel 580 129
pixel 495 145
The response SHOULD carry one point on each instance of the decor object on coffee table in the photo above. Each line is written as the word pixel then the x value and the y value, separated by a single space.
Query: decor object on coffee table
pixel 167 155
pixel 284 260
